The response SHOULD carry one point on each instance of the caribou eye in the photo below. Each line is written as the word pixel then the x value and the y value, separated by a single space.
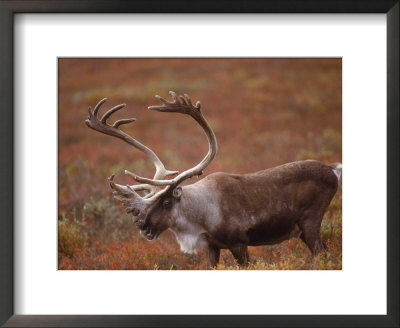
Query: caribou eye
pixel 133 211
pixel 167 203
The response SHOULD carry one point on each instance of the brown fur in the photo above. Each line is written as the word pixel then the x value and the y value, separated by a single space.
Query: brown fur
pixel 261 208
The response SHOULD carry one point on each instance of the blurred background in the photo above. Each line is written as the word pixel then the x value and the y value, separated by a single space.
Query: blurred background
pixel 264 112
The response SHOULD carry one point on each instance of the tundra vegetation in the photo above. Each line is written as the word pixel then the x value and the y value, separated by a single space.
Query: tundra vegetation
pixel 265 112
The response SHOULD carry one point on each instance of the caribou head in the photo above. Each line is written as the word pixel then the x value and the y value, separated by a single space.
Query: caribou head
pixel 150 202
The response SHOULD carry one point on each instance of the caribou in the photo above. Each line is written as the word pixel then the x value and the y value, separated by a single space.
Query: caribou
pixel 222 210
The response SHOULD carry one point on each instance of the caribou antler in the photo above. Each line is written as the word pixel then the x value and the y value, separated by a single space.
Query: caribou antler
pixel 128 194
pixel 184 105
pixel 133 202
pixel 102 126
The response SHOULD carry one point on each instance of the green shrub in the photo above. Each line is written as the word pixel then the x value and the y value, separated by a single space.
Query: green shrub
pixel 71 237
pixel 105 222
pixel 332 228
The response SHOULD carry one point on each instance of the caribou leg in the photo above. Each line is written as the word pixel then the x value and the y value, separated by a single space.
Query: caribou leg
pixel 213 256
pixel 310 225
pixel 312 238
pixel 311 232
pixel 241 254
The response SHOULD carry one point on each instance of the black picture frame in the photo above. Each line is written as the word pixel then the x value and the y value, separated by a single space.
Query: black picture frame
pixel 7 11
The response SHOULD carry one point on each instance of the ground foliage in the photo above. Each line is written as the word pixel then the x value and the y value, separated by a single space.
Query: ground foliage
pixel 265 112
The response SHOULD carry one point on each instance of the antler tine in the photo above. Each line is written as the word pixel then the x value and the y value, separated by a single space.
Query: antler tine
pixel 112 111
pixel 187 99
pixel 123 121
pixel 130 198
pixel 122 193
pixel 97 107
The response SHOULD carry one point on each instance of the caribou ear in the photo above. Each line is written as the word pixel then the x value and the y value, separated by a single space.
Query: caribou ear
pixel 177 193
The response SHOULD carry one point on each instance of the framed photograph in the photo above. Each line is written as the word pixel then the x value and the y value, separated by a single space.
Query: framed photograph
pixel 247 131
pixel 266 243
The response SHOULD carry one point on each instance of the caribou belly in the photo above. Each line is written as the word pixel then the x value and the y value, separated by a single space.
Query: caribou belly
pixel 273 231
